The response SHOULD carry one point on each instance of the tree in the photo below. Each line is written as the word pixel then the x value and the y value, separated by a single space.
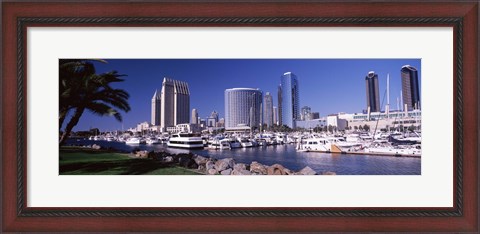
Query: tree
pixel 356 128
pixel 330 128
pixel 366 127
pixel 92 92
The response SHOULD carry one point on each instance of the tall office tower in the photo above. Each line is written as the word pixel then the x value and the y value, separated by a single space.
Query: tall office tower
pixel 268 110
pixel 214 115
pixel 175 103
pixel 410 87
pixel 373 99
pixel 156 102
pixel 194 116
pixel 306 113
pixel 279 102
pixel 290 103
pixel 275 115
pixel 242 107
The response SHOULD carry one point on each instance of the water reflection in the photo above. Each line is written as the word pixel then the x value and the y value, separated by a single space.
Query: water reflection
pixel 342 164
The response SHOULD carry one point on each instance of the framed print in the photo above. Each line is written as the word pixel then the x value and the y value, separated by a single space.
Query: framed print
pixel 370 110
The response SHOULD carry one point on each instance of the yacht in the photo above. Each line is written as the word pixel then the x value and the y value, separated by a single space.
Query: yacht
pixel 245 142
pixel 315 145
pixel 234 143
pixel 152 140
pixel 135 141
pixel 185 140
pixel 219 144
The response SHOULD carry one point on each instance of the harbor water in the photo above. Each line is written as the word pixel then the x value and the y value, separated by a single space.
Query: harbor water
pixel 286 155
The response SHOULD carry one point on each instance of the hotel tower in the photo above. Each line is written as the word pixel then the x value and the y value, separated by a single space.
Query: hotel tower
pixel 242 107
pixel 371 85
pixel 410 87
pixel 175 103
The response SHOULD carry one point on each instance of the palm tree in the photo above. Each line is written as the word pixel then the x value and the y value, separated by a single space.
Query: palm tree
pixel 72 72
pixel 92 92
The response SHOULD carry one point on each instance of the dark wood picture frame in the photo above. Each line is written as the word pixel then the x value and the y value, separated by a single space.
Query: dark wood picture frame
pixel 18 16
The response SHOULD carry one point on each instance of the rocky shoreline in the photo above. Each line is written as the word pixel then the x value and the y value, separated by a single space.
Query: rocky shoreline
pixel 226 166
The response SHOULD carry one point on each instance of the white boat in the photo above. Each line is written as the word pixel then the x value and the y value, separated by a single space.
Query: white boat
pixel 234 143
pixel 135 141
pixel 245 142
pixel 91 138
pixel 219 145
pixel 315 145
pixel 395 151
pixel 110 138
pixel 152 140
pixel 185 140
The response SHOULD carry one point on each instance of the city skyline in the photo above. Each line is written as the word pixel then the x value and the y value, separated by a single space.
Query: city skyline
pixel 326 85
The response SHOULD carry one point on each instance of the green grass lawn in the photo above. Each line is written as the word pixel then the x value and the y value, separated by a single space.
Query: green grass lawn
pixel 75 161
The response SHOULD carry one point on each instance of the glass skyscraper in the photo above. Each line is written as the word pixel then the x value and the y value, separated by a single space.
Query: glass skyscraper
pixel 410 87
pixel 373 99
pixel 290 105
pixel 268 110
pixel 242 107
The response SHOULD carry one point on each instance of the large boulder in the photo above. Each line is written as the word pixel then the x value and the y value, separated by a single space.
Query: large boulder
pixel 276 169
pixel 141 154
pixel 200 160
pixel 241 172
pixel 240 166
pixel 212 172
pixel 187 161
pixel 307 171
pixel 209 165
pixel 258 168
pixel 226 172
pixel 224 164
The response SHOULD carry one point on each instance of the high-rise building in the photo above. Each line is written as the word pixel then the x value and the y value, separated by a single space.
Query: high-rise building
pixel 373 99
pixel 275 115
pixel 156 108
pixel 242 107
pixel 268 109
pixel 289 99
pixel 214 115
pixel 175 103
pixel 194 116
pixel 315 115
pixel 279 102
pixel 410 87
pixel 306 113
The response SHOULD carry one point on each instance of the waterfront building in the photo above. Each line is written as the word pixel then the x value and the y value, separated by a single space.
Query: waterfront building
pixel 275 115
pixel 306 113
pixel 279 102
pixel 186 128
pixel 175 103
pixel 373 98
pixel 156 108
pixel 194 116
pixel 335 121
pixel 410 87
pixel 311 124
pixel 268 110
pixel 242 108
pixel 382 120
pixel 290 105
pixel 221 123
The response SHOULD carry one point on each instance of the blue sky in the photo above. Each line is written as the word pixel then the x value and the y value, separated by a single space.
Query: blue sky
pixel 326 85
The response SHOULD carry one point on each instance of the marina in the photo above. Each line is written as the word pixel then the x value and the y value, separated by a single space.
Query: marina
pixel 364 162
